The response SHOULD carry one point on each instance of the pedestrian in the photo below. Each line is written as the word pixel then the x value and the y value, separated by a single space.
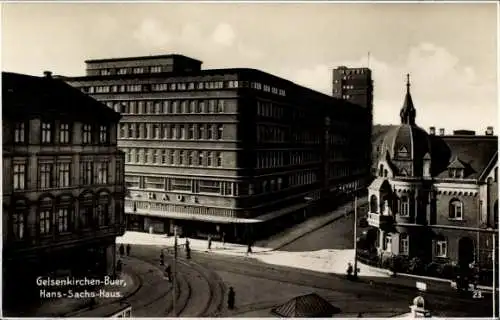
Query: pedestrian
pixel 231 298
pixel 162 259
pixel 128 249
pixel 223 239
pixel 188 253
pixel 168 272
pixel 122 250
pixel 119 266
pixel 187 244
pixel 209 242
pixel 249 248
pixel 360 315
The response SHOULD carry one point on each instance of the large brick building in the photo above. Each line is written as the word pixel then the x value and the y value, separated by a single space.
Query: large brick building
pixel 225 150
pixel 63 187
pixel 435 196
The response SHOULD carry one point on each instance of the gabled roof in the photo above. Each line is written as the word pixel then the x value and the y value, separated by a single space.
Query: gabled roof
pixel 25 96
pixel 456 164
pixel 474 153
pixel 307 306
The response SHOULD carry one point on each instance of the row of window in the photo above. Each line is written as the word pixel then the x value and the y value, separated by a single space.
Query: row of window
pixel 197 186
pixel 276 159
pixel 455 212
pixel 174 157
pixel 270 110
pixel 191 131
pixel 64 133
pixel 57 217
pixel 183 86
pixel 57 174
pixel 271 134
pixel 440 245
pixel 336 171
pixel 168 106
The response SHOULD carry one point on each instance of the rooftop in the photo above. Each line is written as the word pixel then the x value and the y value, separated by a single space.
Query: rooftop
pixel 152 57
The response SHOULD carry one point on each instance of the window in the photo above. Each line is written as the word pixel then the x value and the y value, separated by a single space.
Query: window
pixel 403 244
pixel 155 69
pixel 190 158
pixel 63 172
pixel 456 209
pixel 102 172
pixel 180 185
pixel 441 249
pixel 86 210
pixel 64 133
pixel 220 106
pixel 373 204
pixel 405 207
pixel 87 134
pixel 103 134
pixel 46 132
pixel 388 243
pixel 210 132
pixel 218 156
pixel 19 132
pixel 63 220
pixel 102 211
pixel 200 158
pixel 18 225
pixel 201 131
pixel 45 218
pixel 19 176
pixel 86 173
pixel 210 159
pixel 207 186
pixel 45 175
pixel 219 132
pixel 190 131
pixel 182 154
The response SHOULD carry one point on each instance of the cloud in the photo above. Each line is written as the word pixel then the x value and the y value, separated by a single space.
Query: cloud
pixel 152 33
pixel 249 52
pixel 446 94
pixel 223 35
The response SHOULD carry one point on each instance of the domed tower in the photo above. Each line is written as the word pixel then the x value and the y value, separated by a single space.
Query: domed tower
pixel 406 148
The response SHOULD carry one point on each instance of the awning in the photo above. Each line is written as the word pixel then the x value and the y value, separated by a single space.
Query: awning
pixel 212 218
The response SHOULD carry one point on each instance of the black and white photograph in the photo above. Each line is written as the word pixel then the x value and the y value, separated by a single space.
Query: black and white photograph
pixel 265 159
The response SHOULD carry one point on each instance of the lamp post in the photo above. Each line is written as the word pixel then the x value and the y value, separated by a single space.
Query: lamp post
pixel 494 275
pixel 355 235
pixel 174 271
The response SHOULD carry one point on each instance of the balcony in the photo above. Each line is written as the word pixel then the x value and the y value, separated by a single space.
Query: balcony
pixel 380 221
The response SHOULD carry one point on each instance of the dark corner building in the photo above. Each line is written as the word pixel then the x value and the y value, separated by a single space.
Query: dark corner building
pixel 226 150
pixel 63 186
pixel 435 196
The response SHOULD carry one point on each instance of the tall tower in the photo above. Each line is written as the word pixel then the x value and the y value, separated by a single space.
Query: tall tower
pixel 354 85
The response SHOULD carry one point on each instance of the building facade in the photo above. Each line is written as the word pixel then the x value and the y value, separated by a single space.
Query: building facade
pixel 435 197
pixel 225 150
pixel 63 183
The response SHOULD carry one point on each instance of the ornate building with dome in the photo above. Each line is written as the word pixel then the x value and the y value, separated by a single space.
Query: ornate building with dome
pixel 434 197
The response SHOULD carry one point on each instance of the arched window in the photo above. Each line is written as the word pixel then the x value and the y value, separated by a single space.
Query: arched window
pixel 373 204
pixel 64 211
pixel 456 209
pixel 404 210
pixel 404 244
pixel 386 173
pixel 45 216
pixel 86 210
pixel 495 175
pixel 495 214
pixel 381 171
pixel 102 210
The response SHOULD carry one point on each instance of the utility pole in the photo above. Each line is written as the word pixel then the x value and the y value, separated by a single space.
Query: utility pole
pixel 174 275
pixel 494 276
pixel 355 235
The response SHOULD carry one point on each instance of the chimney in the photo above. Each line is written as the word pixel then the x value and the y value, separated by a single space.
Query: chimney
pixel 432 131
pixel 47 74
pixel 441 132
pixel 489 131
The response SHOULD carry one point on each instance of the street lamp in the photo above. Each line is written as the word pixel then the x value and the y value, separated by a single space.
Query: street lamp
pixel 174 271
pixel 355 235
pixel 494 258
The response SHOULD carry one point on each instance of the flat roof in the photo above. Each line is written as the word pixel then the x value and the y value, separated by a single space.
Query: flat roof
pixel 152 57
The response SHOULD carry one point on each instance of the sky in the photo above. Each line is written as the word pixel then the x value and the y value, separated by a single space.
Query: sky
pixel 450 50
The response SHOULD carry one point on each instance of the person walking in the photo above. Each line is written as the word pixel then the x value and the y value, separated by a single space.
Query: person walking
pixel 249 248
pixel 162 259
pixel 168 272
pixel 122 250
pixel 209 242
pixel 223 239
pixel 128 249
pixel 231 298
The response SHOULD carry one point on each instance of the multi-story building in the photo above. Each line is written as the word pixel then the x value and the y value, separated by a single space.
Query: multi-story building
pixel 225 150
pixel 435 196
pixel 356 86
pixel 63 183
